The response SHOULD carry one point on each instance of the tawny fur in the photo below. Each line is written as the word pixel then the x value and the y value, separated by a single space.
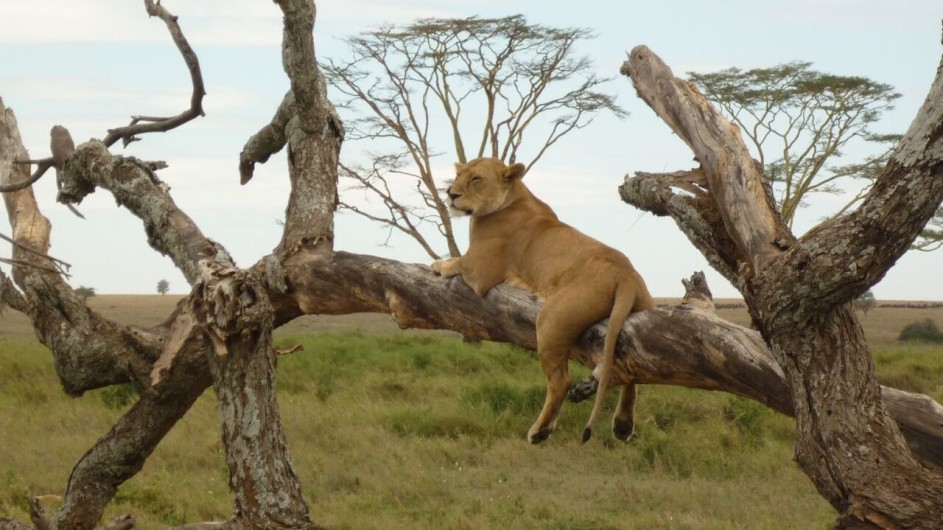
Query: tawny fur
pixel 516 237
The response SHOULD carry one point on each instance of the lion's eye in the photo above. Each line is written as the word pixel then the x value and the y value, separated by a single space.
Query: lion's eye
pixel 475 179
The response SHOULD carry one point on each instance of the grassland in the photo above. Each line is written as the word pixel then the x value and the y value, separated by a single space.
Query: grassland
pixel 394 429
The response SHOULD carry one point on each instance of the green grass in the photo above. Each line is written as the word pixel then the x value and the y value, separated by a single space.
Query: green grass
pixel 917 367
pixel 423 431
pixel 419 431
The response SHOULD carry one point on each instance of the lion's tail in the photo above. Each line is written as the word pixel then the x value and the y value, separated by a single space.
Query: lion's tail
pixel 621 308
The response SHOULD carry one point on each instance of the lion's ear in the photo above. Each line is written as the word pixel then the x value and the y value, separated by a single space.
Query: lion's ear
pixel 514 171
pixel 459 167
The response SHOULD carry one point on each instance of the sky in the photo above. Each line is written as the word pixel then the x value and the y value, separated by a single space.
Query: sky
pixel 91 65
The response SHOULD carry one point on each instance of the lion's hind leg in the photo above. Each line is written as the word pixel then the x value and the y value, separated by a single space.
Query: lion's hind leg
pixel 553 353
pixel 623 422
pixel 560 322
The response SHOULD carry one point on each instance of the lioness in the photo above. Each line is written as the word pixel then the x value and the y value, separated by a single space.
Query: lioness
pixel 516 237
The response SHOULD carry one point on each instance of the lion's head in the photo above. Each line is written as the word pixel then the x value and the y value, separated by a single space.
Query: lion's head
pixel 482 186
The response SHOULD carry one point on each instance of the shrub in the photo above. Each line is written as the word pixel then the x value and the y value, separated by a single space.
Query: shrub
pixel 921 331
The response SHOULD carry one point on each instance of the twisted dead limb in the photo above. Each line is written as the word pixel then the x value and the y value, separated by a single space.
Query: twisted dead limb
pixel 228 311
pixel 139 124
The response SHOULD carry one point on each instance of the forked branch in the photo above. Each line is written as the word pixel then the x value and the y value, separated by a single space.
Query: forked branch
pixel 735 181
pixel 139 124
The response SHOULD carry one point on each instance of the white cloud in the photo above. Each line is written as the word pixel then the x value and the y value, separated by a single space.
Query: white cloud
pixel 51 21
pixel 233 22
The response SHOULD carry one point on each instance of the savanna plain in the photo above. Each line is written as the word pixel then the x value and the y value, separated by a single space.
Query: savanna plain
pixel 394 429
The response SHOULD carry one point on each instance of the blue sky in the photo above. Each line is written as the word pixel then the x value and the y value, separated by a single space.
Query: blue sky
pixel 90 65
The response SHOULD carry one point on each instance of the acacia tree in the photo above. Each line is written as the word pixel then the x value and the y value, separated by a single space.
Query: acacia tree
pixel 860 443
pixel 463 87
pixel 931 237
pixel 800 121
pixel 84 292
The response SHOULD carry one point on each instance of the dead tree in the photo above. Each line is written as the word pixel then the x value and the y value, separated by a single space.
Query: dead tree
pixel 800 292
pixel 220 335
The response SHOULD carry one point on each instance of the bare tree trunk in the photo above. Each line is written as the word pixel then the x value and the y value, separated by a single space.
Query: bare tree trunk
pixel 267 491
pixel 799 291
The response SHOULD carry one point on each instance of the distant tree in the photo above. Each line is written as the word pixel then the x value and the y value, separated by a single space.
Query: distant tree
pixel 85 292
pixel 163 286
pixel 799 121
pixel 497 87
pixel 865 302
pixel 921 331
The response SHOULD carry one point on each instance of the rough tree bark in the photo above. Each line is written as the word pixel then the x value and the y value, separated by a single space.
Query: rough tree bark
pixel 799 290
pixel 220 335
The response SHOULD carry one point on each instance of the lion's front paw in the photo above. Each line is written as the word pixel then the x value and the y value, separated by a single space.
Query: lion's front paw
pixel 445 267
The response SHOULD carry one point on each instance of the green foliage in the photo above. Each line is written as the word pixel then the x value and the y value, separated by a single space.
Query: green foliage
pixel 163 287
pixel 431 424
pixel 800 121
pixel 15 493
pixel 921 331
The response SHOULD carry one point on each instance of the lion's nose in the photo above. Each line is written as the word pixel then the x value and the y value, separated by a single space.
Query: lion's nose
pixel 453 196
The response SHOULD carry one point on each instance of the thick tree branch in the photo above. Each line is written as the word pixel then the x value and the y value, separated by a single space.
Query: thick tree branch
pixel 229 309
pixel 678 345
pixel 121 453
pixel 694 212
pixel 742 198
pixel 269 140
pixel 906 195
pixel 89 351
pixel 136 187
pixel 314 138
